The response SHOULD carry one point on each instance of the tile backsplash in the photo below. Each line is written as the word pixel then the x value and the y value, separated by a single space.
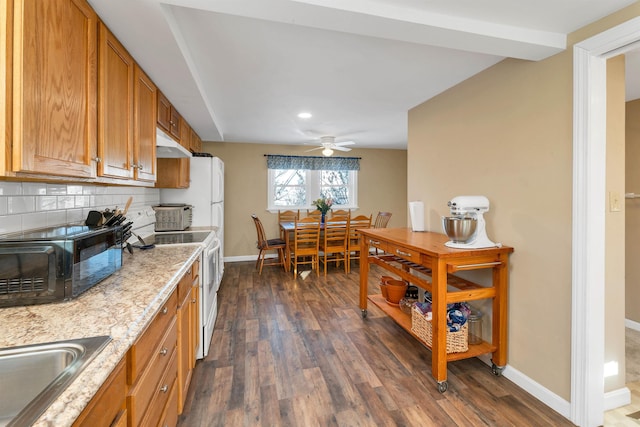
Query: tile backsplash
pixel 29 205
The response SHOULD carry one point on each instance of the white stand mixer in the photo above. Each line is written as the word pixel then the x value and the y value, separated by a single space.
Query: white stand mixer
pixel 474 207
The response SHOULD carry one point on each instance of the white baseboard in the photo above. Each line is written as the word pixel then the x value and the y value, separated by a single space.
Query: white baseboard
pixel 628 323
pixel 541 393
pixel 617 398
pixel 242 258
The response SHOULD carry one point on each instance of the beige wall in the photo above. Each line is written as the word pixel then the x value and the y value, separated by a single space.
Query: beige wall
pixel 382 186
pixel 507 133
pixel 632 218
pixel 615 223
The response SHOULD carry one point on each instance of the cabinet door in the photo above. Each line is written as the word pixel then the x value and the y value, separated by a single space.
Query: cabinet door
pixel 144 128
pixel 175 123
pixel 184 363
pixel 164 112
pixel 115 108
pixel 185 133
pixel 174 173
pixel 54 88
pixel 195 143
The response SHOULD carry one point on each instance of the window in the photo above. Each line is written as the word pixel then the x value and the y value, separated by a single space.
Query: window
pixel 295 181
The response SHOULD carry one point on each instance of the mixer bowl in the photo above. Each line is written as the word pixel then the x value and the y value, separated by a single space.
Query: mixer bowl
pixel 459 229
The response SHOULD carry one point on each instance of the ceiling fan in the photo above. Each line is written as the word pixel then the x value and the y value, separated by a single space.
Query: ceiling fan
pixel 328 144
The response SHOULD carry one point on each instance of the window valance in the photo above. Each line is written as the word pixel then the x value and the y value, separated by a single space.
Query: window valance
pixel 312 162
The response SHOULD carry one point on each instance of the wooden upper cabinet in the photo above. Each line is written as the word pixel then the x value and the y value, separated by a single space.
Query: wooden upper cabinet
pixel 53 91
pixel 195 144
pixel 115 107
pixel 144 131
pixel 164 112
pixel 185 133
pixel 168 117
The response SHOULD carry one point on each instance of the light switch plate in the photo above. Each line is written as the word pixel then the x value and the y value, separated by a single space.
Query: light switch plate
pixel 615 204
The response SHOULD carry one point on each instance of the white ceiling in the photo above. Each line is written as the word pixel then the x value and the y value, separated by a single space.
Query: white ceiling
pixel 241 70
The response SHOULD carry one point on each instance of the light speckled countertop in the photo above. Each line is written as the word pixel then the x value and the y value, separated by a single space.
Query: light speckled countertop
pixel 120 306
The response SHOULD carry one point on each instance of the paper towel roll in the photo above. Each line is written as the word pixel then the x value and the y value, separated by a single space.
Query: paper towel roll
pixel 416 211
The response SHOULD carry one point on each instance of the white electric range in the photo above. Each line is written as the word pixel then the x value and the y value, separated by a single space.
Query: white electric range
pixel 211 265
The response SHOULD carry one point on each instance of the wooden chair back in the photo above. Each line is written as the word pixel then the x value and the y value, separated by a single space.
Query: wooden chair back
pixel 314 214
pixel 341 212
pixel 288 216
pixel 382 220
pixel 306 242
pixel 353 243
pixel 262 240
pixel 334 241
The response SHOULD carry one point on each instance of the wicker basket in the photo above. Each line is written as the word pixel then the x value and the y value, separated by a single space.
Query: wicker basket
pixel 457 342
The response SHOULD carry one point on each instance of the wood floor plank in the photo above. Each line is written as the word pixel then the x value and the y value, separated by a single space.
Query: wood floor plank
pixel 297 352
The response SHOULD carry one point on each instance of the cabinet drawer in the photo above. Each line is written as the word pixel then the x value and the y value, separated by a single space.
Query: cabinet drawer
pixel 142 393
pixel 169 417
pixel 403 252
pixel 143 349
pixel 162 396
pixel 377 244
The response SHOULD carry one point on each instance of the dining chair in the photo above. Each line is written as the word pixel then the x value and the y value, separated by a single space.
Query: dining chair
pixel 333 244
pixel 381 221
pixel 314 214
pixel 353 243
pixel 287 216
pixel 306 242
pixel 264 245
pixel 341 212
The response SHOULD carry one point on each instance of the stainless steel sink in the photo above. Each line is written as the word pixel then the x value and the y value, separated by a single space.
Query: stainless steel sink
pixel 33 376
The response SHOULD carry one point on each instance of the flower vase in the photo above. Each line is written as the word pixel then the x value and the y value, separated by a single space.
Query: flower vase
pixel 322 218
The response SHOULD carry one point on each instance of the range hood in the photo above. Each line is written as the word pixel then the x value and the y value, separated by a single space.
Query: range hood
pixel 168 148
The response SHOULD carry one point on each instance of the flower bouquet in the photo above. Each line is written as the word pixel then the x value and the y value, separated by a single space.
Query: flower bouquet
pixel 323 205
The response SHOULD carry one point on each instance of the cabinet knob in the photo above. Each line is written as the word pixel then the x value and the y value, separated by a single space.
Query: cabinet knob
pixel 193 301
pixel 97 159
pixel 164 351
pixel 164 388
pixel 165 310
pixel 140 167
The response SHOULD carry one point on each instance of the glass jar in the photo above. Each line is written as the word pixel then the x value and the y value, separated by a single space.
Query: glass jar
pixel 475 327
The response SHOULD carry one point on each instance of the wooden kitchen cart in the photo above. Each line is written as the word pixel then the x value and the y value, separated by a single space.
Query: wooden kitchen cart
pixel 422 259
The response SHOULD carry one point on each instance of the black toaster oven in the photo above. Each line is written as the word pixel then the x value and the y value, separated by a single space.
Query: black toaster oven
pixel 57 263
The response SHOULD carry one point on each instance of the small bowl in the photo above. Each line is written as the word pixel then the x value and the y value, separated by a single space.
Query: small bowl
pixel 459 229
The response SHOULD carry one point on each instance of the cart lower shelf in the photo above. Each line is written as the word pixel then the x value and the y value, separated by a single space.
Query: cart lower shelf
pixel 404 320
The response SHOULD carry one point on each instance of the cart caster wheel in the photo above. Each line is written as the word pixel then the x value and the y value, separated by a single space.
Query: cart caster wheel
pixel 443 386
pixel 364 313
pixel 496 370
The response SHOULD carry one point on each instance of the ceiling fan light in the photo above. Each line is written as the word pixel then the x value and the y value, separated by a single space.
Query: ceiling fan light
pixel 327 152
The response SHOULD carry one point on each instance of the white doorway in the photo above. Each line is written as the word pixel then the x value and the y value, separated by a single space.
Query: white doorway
pixel 588 260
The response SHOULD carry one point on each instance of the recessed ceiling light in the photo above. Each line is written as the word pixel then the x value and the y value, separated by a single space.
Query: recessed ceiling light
pixel 304 115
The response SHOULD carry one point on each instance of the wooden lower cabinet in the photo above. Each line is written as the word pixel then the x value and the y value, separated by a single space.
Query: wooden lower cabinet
pixel 152 367
pixel 107 408
pixel 188 331
pixel 149 386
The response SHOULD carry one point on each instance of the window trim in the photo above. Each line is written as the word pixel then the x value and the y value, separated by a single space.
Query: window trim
pixel 313 191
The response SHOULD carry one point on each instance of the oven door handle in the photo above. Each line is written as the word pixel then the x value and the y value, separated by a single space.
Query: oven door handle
pixel 216 246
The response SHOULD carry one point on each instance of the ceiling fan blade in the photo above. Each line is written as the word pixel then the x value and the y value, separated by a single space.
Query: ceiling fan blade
pixel 337 147
pixel 314 149
pixel 337 144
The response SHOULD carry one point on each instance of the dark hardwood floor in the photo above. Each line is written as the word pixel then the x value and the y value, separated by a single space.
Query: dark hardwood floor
pixel 291 352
